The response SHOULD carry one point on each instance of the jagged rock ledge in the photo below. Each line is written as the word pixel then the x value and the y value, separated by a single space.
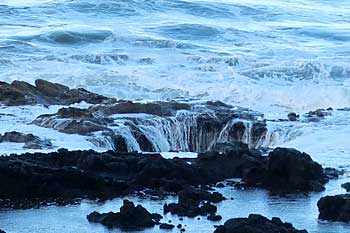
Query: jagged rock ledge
pixel 335 208
pixel 129 217
pixel 46 93
pixel 131 126
pixel 31 179
pixel 159 126
pixel 30 141
pixel 257 224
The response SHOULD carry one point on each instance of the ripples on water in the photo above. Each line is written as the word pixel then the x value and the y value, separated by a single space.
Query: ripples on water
pixel 273 56
pixel 279 48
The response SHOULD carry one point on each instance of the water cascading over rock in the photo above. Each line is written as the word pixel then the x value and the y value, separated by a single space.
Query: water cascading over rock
pixel 159 126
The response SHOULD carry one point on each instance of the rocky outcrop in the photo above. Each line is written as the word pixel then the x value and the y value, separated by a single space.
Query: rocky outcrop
pixel 214 217
pixel 159 126
pixel 334 208
pixel 332 173
pixel 288 170
pixel 346 186
pixel 66 175
pixel 133 126
pixel 30 141
pixel 46 93
pixel 256 224
pixel 129 217
pixel 166 226
pixel 193 202
pixel 292 116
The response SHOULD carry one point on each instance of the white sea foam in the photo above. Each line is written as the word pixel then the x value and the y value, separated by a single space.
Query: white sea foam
pixel 19 119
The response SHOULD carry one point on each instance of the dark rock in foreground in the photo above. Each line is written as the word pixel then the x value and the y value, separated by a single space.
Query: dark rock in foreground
pixel 257 224
pixel 166 226
pixel 130 216
pixel 346 186
pixel 193 202
pixel 35 178
pixel 288 169
pixel 214 217
pixel 66 175
pixel 30 141
pixel 334 208
pixel 293 116
pixel 1 231
pixel 332 173
pixel 44 92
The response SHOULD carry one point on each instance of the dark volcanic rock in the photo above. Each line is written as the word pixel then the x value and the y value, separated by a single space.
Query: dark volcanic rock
pixel 214 217
pixel 193 202
pixel 166 226
pixel 257 224
pixel 44 92
pixel 332 173
pixel 184 126
pixel 319 113
pixel 293 116
pixel 334 208
pixel 1 231
pixel 30 141
pixel 88 174
pixel 288 170
pixel 130 216
pixel 66 175
pixel 346 186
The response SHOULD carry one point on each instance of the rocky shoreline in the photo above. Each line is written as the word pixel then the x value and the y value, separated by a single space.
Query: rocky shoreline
pixel 88 174
pixel 68 176
pixel 228 140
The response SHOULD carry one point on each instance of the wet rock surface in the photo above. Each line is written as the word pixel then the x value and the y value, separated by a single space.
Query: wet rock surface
pixel 133 126
pixel 334 208
pixel 46 93
pixel 166 226
pixel 129 217
pixel 194 202
pixel 332 173
pixel 30 141
pixel 256 224
pixel 159 126
pixel 288 170
pixel 293 116
pixel 32 178
pixel 346 186
pixel 214 217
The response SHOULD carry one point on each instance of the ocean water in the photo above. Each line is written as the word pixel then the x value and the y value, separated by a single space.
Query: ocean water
pixel 269 55
pixel 272 56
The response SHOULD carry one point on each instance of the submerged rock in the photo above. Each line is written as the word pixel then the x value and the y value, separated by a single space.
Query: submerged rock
pixel 256 224
pixel 214 217
pixel 30 141
pixel 334 208
pixel 193 202
pixel 288 170
pixel 46 93
pixel 293 116
pixel 166 226
pixel 332 173
pixel 130 216
pixel 346 186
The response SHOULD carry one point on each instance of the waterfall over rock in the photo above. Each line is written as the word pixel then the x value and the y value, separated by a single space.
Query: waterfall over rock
pixel 160 126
